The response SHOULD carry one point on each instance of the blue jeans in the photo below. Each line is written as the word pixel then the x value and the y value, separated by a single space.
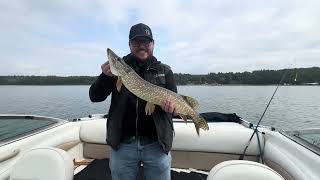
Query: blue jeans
pixel 125 162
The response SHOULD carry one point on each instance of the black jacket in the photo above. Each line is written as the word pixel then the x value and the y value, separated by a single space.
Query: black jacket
pixel 120 110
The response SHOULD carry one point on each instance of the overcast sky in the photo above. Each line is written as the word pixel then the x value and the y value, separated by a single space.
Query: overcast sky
pixel 67 37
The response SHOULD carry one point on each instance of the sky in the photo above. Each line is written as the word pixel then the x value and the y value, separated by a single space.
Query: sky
pixel 70 38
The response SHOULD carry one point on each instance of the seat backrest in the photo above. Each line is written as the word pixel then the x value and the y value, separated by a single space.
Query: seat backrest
pixel 242 170
pixel 43 163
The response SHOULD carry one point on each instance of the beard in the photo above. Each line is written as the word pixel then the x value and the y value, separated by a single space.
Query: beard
pixel 143 53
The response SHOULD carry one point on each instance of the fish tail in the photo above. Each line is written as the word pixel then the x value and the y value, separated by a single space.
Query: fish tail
pixel 200 122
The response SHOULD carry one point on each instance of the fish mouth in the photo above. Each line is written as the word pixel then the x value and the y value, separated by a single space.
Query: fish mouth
pixel 112 57
pixel 111 54
pixel 118 66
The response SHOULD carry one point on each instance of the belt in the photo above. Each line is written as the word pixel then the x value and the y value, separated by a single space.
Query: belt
pixel 142 139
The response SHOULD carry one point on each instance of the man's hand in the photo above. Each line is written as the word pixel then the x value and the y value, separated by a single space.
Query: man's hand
pixel 169 107
pixel 105 67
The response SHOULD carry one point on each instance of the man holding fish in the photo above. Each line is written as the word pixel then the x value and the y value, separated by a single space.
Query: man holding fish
pixel 135 135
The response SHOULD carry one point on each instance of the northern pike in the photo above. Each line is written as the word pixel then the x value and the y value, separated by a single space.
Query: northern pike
pixel 154 95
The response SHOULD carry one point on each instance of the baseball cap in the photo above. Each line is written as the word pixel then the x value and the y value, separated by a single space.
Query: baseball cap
pixel 140 30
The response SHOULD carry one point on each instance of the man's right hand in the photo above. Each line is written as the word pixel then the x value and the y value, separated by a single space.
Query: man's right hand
pixel 105 67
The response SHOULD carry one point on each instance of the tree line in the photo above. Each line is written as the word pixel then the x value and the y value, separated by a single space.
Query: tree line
pixel 296 76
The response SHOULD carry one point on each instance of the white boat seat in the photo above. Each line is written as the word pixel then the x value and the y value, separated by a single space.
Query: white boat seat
pixel 43 163
pixel 242 170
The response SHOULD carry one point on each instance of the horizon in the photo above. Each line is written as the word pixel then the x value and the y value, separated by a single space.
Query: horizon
pixel 67 39
pixel 175 72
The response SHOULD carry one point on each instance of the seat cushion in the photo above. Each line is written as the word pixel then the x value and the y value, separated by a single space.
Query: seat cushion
pixel 43 163
pixel 242 170
pixel 223 137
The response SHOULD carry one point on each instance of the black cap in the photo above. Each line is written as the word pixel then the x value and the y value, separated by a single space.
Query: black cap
pixel 140 30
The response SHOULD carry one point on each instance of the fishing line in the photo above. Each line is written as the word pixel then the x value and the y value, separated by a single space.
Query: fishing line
pixel 256 128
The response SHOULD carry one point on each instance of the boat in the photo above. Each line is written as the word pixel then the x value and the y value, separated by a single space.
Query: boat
pixel 38 147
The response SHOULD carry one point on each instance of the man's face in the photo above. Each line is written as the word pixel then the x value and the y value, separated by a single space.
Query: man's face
pixel 141 47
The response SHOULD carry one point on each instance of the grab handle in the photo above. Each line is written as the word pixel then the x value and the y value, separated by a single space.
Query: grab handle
pixel 8 155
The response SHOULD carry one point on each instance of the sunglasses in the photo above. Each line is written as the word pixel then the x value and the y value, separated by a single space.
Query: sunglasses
pixel 140 41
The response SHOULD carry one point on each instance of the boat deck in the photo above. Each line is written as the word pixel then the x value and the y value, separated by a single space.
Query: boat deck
pixel 99 170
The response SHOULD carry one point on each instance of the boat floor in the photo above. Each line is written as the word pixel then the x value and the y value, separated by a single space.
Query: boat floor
pixel 99 170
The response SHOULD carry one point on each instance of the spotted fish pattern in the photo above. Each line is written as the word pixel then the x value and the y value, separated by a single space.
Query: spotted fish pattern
pixel 153 94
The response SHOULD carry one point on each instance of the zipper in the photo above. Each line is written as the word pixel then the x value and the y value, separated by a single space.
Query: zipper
pixel 151 68
pixel 137 116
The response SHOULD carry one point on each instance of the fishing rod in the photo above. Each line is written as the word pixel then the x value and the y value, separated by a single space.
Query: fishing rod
pixel 256 128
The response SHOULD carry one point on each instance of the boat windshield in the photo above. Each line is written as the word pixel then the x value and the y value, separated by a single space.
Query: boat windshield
pixel 14 127
pixel 310 138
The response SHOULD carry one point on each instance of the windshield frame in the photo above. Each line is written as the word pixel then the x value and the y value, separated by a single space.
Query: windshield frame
pixel 295 136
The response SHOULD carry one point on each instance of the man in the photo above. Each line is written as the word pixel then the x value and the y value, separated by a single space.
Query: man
pixel 135 137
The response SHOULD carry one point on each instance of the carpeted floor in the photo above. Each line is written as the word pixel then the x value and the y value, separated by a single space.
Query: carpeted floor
pixel 99 170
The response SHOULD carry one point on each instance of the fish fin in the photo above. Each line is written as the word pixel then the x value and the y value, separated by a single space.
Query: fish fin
pixel 184 117
pixel 191 101
pixel 149 109
pixel 197 129
pixel 119 84
pixel 200 122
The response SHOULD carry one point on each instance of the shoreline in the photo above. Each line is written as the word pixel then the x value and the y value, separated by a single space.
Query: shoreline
pixel 177 85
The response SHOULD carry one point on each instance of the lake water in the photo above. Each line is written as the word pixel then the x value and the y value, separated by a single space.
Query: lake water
pixel 294 107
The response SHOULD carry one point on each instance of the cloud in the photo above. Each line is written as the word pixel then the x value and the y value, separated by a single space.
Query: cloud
pixel 66 38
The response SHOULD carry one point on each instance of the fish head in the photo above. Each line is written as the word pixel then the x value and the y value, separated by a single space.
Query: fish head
pixel 117 65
